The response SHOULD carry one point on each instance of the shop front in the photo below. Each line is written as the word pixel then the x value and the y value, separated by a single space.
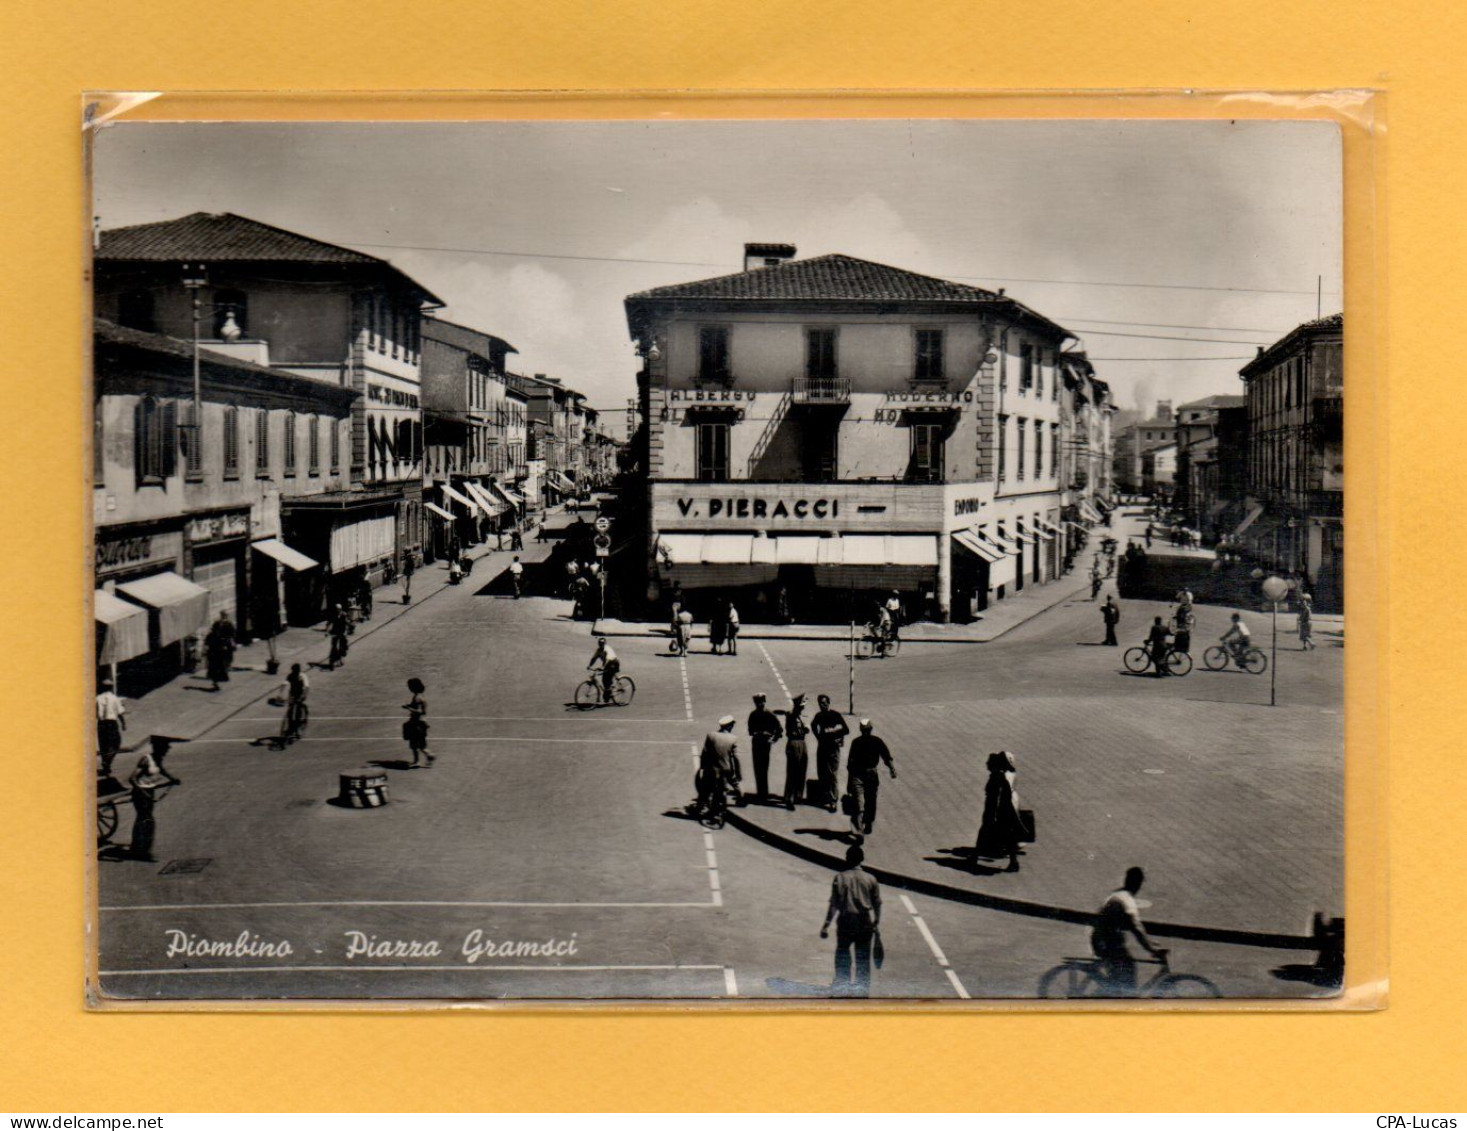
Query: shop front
pixel 353 535
pixel 216 552
pixel 147 612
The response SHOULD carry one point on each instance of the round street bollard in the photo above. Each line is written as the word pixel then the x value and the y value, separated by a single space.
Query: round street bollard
pixel 363 788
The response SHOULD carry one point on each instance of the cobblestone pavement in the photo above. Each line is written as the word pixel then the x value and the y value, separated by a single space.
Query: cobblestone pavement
pixel 544 825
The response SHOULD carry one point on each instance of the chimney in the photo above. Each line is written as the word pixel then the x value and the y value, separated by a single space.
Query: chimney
pixel 758 255
pixel 1163 410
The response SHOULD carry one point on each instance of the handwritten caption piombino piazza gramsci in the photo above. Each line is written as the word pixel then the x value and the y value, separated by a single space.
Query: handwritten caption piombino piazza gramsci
pixel 475 946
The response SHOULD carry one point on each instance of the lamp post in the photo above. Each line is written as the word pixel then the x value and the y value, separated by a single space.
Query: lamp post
pixel 195 278
pixel 1275 589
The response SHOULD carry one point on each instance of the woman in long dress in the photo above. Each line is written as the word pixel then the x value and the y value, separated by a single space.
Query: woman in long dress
pixel 415 729
pixel 998 835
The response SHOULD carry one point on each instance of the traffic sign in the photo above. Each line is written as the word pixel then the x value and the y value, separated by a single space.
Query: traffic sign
pixel 603 524
pixel 603 545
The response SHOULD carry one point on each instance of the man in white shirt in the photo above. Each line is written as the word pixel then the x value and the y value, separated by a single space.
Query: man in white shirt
pixel 1237 638
pixel 1118 917
pixel 111 722
pixel 517 576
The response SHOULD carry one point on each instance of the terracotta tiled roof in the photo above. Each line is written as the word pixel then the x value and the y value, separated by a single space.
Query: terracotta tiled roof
pixel 222 237
pixel 825 277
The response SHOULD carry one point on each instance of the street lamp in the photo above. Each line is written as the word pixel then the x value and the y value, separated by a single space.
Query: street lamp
pixel 195 279
pixel 1275 589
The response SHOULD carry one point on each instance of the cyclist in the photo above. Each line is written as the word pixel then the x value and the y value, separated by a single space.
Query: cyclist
pixel 881 627
pixel 610 667
pixel 1237 639
pixel 1158 642
pixel 1118 917
pixel 1183 621
pixel 717 767
pixel 894 612
pixel 294 691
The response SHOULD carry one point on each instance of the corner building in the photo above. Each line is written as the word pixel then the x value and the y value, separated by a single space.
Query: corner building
pixel 836 428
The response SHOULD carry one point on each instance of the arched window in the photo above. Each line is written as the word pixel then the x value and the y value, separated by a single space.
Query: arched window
pixel 227 302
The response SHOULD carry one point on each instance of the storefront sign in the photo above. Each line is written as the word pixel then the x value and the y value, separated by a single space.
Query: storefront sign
pixel 217 527
pixel 758 507
pixel 966 506
pixel 115 553
pixel 913 397
pixel 710 396
pixel 384 394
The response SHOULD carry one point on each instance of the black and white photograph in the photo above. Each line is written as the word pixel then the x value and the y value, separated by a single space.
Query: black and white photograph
pixel 805 561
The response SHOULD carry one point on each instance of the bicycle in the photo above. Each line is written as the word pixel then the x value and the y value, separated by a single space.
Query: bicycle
pixel 711 804
pixel 589 693
pixel 1252 661
pixel 1138 660
pixel 293 722
pixel 1086 978
pixel 872 645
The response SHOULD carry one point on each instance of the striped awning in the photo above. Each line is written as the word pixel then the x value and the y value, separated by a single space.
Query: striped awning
pixel 973 543
pixel 439 511
pixel 491 505
pixel 458 497
pixel 122 628
pixel 182 607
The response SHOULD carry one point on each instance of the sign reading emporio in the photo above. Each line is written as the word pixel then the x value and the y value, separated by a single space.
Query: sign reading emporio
pixel 759 508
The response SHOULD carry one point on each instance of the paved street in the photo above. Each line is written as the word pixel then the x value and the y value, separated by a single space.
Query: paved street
pixel 547 855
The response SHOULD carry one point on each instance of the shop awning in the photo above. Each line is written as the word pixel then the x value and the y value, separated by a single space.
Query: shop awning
pixel 1090 513
pixel 560 483
pixel 705 549
pixel 1001 541
pixel 1253 514
pixel 182 606
pixel 1077 526
pixel 123 628
pixel 510 497
pixel 798 549
pixel 970 541
pixel 491 505
pixel 458 497
pixel 1023 533
pixel 886 549
pixel 439 511
pixel 1042 530
pixel 285 555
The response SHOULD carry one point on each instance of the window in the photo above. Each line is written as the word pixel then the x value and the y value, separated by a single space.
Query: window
pixel 928 451
pixel 1003 446
pixel 231 440
pixel 1026 369
pixel 335 426
pixel 1023 428
pixel 713 353
pixel 1054 385
pixel 231 302
pixel 290 443
pixel 820 354
pixel 929 356
pixel 192 437
pixel 313 446
pixel 713 451
pixel 156 434
pixel 135 311
pixel 262 443
pixel 1054 449
pixel 1039 373
pixel 1038 449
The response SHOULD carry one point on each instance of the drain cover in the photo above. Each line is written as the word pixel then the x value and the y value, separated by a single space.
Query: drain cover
pixel 185 867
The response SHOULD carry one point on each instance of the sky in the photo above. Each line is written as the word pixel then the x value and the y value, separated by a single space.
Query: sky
pixel 1132 235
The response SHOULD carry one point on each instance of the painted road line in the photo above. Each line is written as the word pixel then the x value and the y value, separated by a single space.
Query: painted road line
pixel 715 884
pixel 934 948
pixel 774 669
pixel 586 717
pixel 527 904
pixel 466 967
pixel 730 983
pixel 682 662
pixel 380 738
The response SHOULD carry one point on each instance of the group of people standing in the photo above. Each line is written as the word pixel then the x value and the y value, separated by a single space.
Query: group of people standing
pixel 867 754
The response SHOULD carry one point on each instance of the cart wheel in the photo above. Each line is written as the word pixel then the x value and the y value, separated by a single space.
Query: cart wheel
pixel 106 821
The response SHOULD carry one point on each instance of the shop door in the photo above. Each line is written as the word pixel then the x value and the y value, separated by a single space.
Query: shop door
pixel 218 571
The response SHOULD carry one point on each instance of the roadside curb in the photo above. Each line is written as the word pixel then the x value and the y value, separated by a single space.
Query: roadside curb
pixel 1010 905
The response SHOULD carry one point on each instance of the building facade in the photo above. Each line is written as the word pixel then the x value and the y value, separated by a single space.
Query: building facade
pixel 1134 471
pixel 287 302
pixel 826 429
pixel 188 526
pixel 1197 427
pixel 1295 402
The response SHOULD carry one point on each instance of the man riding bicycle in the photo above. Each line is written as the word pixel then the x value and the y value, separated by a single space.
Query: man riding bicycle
pixel 881 627
pixel 1118 917
pixel 1237 639
pixel 610 667
pixel 717 766
pixel 294 691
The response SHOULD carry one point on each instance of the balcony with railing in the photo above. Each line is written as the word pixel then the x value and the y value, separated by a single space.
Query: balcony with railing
pixel 820 391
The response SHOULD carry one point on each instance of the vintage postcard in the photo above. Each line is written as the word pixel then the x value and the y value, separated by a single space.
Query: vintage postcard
pixel 783 560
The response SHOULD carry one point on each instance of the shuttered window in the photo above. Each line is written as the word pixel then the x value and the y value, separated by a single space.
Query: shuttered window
pixel 262 442
pixel 231 440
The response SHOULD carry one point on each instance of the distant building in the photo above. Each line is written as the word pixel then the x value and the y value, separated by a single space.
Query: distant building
pixel 1133 471
pixel 822 429
pixel 1196 430
pixel 1296 470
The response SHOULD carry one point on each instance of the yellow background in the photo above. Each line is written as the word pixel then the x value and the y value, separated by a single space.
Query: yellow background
pixel 54 1056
